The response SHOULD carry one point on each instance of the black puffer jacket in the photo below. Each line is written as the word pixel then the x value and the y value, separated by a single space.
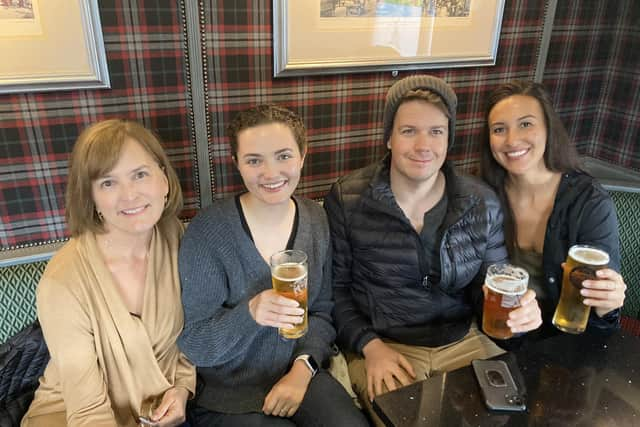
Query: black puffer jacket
pixel 379 262
pixel 583 213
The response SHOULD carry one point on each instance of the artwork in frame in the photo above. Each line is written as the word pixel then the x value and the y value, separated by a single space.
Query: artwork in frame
pixel 347 36
pixel 47 47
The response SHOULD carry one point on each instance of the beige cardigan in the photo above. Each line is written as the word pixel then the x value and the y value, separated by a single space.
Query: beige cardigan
pixel 105 363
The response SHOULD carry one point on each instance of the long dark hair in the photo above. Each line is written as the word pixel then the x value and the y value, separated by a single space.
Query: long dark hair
pixel 560 154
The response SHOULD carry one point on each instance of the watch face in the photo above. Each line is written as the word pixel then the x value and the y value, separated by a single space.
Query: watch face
pixel 312 364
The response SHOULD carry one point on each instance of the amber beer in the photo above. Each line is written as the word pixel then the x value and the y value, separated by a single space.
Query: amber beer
pixel 289 278
pixel 582 263
pixel 506 284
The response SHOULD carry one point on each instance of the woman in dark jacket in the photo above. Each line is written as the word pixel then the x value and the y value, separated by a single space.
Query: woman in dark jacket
pixel 549 203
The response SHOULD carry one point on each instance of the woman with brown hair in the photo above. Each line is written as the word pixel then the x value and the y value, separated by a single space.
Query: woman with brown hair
pixel 549 203
pixel 109 300
pixel 249 374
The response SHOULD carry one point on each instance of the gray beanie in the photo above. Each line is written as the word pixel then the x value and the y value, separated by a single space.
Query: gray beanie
pixel 431 83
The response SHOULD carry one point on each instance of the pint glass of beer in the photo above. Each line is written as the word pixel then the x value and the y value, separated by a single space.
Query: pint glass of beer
pixel 506 283
pixel 289 278
pixel 582 263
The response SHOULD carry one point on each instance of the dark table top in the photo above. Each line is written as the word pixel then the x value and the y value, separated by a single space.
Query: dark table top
pixel 569 380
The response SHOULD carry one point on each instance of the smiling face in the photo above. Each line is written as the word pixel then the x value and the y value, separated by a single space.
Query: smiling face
pixel 131 196
pixel 418 141
pixel 518 135
pixel 269 162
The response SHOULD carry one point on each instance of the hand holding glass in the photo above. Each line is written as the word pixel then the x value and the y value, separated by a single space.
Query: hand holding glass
pixel 506 284
pixel 582 263
pixel 289 278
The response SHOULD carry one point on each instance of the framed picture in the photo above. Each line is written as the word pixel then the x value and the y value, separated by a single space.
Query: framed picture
pixel 45 46
pixel 348 36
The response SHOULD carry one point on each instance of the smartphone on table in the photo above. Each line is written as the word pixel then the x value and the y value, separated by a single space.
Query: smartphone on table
pixel 147 422
pixel 498 388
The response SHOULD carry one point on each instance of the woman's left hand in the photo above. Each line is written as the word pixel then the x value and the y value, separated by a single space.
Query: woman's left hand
pixel 171 411
pixel 528 316
pixel 605 294
pixel 286 395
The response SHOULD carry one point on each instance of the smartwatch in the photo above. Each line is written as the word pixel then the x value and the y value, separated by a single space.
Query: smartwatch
pixel 310 362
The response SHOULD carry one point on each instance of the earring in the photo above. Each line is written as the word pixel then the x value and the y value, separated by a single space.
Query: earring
pixel 100 216
pixel 166 200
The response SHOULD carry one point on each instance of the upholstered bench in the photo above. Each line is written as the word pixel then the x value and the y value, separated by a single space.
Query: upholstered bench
pixel 628 210
pixel 23 352
pixel 18 284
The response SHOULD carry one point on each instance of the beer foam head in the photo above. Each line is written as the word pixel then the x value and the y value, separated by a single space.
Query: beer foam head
pixel 589 255
pixel 289 272
pixel 507 279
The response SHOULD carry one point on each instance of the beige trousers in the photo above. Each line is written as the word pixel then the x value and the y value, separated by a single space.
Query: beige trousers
pixel 426 361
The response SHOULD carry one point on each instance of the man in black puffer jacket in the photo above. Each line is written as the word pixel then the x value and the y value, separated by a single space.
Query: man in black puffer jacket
pixel 412 241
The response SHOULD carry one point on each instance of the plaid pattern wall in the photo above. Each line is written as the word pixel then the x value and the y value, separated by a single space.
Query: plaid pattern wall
pixel 145 46
pixel 343 113
pixel 593 73
pixel 588 66
pixel 618 136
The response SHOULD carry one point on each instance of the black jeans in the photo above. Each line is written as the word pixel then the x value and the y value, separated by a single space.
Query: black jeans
pixel 326 403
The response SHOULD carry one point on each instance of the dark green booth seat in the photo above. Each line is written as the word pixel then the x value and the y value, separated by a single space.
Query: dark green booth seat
pixel 23 352
pixel 20 272
pixel 624 187
pixel 18 296
pixel 628 210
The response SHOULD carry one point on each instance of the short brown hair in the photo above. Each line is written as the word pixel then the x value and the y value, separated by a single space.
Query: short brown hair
pixel 95 153
pixel 263 115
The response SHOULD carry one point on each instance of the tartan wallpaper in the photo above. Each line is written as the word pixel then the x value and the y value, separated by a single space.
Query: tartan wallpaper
pixel 593 73
pixel 589 72
pixel 343 113
pixel 146 53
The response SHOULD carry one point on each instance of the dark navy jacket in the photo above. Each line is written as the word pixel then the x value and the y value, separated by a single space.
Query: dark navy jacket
pixel 379 261
pixel 583 213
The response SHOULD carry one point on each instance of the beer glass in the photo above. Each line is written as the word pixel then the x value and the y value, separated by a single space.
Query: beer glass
pixel 582 263
pixel 289 278
pixel 506 284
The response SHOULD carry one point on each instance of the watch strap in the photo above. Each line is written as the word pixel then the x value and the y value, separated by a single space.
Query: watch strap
pixel 310 362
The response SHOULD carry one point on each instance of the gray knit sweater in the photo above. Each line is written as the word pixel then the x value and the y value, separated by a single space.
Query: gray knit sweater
pixel 221 270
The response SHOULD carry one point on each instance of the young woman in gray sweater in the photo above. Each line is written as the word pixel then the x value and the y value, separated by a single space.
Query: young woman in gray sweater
pixel 248 375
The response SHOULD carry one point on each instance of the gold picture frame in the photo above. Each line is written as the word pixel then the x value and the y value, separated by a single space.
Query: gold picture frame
pixel 46 47
pixel 348 36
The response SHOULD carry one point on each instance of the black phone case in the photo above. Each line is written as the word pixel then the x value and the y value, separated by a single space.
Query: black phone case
pixel 498 388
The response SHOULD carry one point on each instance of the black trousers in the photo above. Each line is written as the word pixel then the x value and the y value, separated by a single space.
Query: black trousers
pixel 326 403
